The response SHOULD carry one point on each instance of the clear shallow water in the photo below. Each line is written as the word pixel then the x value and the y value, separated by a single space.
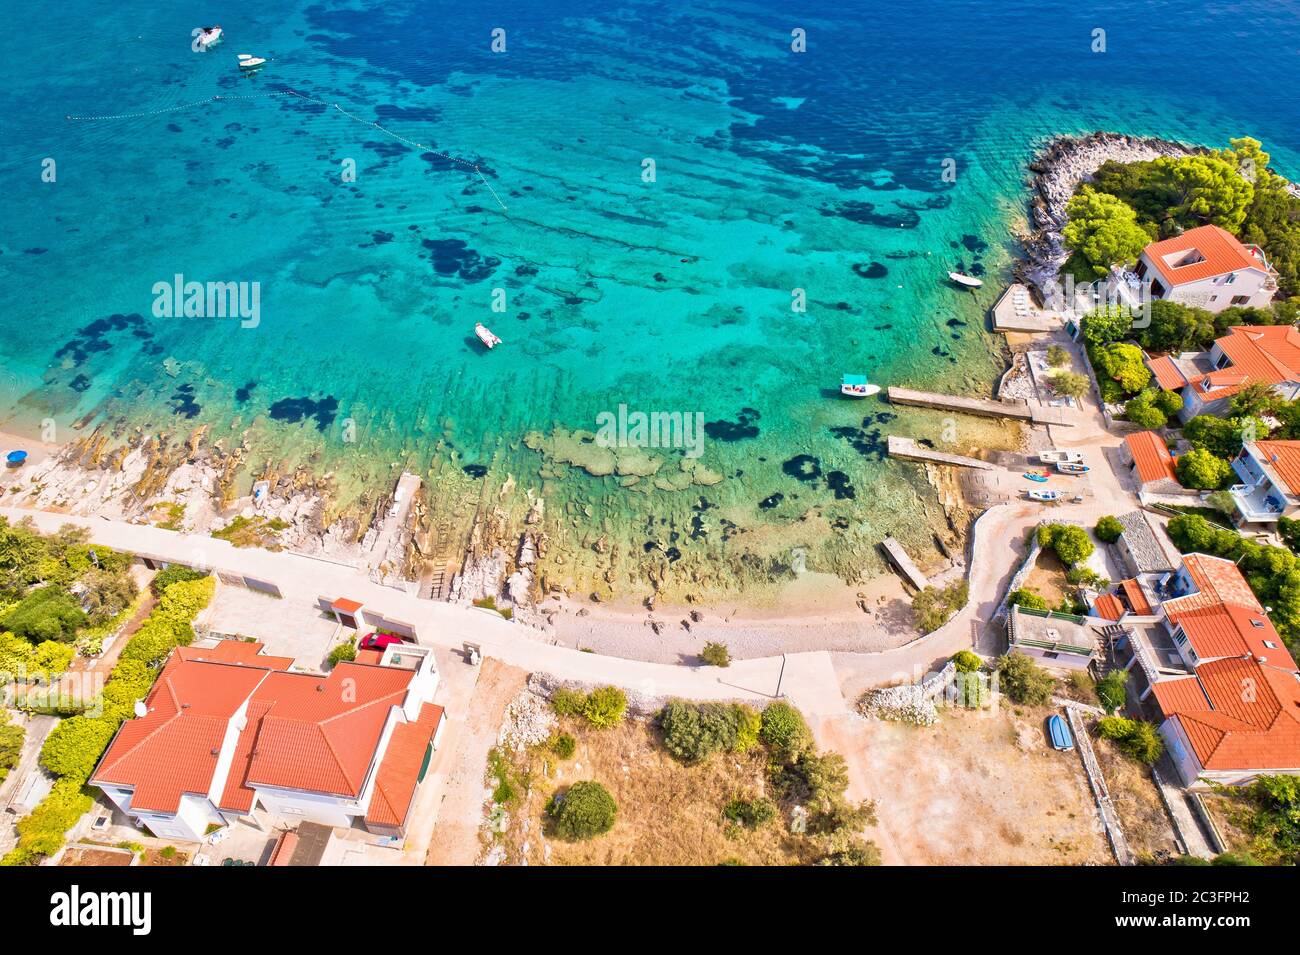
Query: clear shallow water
pixel 819 171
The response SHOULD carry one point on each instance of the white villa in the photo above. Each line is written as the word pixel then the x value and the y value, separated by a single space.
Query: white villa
pixel 1270 476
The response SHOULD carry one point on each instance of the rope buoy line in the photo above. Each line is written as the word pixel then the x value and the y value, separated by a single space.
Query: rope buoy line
pixel 286 92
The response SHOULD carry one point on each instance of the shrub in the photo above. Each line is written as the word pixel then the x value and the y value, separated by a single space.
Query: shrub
pixel 564 745
pixel 11 745
pixel 49 613
pixel 1108 529
pixel 583 811
pixel 934 606
pixel 695 731
pixel 1026 597
pixel 1069 383
pixel 74 746
pixel 1145 411
pixel 1058 356
pixel 1124 365
pixel 967 661
pixel 1023 680
pixel 173 574
pixel 1137 739
pixel 1111 690
pixel 567 702
pixel 605 707
pixel 41 833
pixel 344 652
pixel 784 731
pixel 750 813
pixel 716 655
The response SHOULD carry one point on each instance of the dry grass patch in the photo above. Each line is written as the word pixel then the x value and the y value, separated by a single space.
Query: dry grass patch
pixel 668 813
pixel 1142 812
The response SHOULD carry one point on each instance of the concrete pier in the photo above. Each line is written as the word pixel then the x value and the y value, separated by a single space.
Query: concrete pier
pixel 909 450
pixel 903 563
pixel 985 407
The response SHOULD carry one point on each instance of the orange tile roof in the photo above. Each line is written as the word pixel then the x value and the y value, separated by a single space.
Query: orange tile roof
pixel 283 854
pixel 1136 597
pixel 173 749
pixel 1179 695
pixel 320 733
pixel 1217 581
pixel 1264 353
pixel 1108 607
pixel 369 656
pixel 346 605
pixel 1167 374
pixel 1250 720
pixel 399 773
pixel 1283 458
pixel 1151 457
pixel 1214 251
pixel 235 651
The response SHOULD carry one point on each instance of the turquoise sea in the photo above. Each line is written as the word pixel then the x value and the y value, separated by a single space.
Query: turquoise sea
pixel 774 171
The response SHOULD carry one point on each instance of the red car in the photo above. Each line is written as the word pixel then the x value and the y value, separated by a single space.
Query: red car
pixel 379 641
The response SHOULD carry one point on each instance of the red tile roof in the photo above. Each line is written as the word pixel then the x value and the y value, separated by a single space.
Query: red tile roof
pixel 1264 353
pixel 1283 458
pixel 1108 607
pixel 1208 251
pixel 235 651
pixel 1136 598
pixel 1151 457
pixel 346 605
pixel 1250 720
pixel 1180 695
pixel 320 733
pixel 1217 581
pixel 1223 618
pixel 1167 374
pixel 399 773
pixel 173 750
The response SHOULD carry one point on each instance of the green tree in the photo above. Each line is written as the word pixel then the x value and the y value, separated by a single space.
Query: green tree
pixel 1255 400
pixel 1058 356
pixel 1069 383
pixel 1071 542
pixel 1208 190
pixel 49 613
pixel 605 707
pixel 1123 364
pixel 1175 327
pixel 1103 231
pixel 585 810
pixel 1105 325
pixel 1023 680
pixel 1200 469
pixel 967 661
pixel 1144 412
pixel 1108 529
pixel 1136 738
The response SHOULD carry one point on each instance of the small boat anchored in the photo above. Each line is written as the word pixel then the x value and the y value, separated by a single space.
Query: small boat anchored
pixel 249 62
pixel 1047 497
pixel 857 386
pixel 485 335
pixel 966 281
pixel 208 36
pixel 1061 457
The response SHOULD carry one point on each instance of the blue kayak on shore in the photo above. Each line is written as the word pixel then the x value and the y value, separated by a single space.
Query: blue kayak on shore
pixel 1059 731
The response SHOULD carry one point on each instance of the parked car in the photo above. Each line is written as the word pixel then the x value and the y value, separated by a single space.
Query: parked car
pixel 379 641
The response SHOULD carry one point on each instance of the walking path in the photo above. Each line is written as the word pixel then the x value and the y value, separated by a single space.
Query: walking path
pixel 1105 808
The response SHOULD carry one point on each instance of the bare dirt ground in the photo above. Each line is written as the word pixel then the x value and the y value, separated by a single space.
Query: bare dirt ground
pixel 1142 813
pixel 456 835
pixel 974 789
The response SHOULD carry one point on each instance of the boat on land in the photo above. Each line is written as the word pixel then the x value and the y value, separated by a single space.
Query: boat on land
pixel 1061 457
pixel 209 36
pixel 857 386
pixel 249 62
pixel 1059 732
pixel 1047 497
pixel 485 335
pixel 966 281
pixel 16 459
pixel 1035 476
pixel 1072 467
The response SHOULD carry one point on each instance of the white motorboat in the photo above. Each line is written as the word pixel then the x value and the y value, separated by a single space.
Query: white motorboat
pixel 249 62
pixel 485 335
pixel 1072 467
pixel 968 281
pixel 208 36
pixel 857 386
pixel 1047 497
pixel 1061 457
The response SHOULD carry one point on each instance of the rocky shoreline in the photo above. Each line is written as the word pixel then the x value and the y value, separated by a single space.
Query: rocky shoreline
pixel 1057 171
